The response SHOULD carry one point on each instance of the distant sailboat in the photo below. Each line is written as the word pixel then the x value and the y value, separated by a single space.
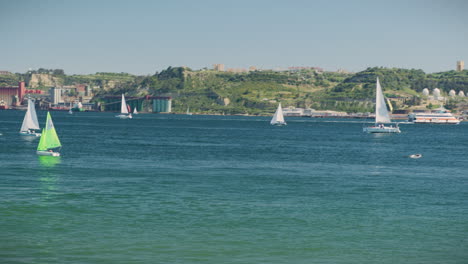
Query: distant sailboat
pixel 135 112
pixel 124 110
pixel 70 111
pixel 188 111
pixel 49 144
pixel 30 122
pixel 382 116
pixel 278 119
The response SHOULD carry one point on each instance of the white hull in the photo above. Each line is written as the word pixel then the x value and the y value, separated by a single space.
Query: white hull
pixel 379 129
pixel 30 134
pixel 124 116
pixel 279 124
pixel 47 153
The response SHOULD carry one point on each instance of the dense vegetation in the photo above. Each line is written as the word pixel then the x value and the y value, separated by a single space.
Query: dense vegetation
pixel 258 92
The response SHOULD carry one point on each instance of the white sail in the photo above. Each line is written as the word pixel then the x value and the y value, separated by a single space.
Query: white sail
pixel 123 108
pixel 135 112
pixel 30 118
pixel 278 116
pixel 381 112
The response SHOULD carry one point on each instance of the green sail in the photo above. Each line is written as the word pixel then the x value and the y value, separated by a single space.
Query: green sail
pixel 49 138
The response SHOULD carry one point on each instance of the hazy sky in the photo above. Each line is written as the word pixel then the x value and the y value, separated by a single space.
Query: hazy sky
pixel 142 37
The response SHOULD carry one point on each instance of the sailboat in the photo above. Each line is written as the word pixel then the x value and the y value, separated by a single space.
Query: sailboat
pixel 70 111
pixel 30 123
pixel 382 115
pixel 49 144
pixel 135 111
pixel 124 110
pixel 278 119
pixel 188 111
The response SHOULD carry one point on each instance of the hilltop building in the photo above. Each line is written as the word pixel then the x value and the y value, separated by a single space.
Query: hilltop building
pixel 218 67
pixel 460 65
pixel 237 70
pixel 296 69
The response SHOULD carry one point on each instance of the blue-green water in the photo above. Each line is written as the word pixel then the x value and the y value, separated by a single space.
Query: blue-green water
pixel 222 189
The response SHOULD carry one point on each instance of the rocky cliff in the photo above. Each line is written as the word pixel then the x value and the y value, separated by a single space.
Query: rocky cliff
pixel 42 79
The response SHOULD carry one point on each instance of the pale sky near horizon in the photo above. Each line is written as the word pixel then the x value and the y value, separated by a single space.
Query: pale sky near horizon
pixel 143 36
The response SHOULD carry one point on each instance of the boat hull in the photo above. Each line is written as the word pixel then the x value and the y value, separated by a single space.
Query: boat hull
pixel 279 124
pixel 30 134
pixel 124 116
pixel 47 153
pixel 377 129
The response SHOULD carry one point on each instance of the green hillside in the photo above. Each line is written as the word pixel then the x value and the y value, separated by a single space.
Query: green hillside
pixel 258 92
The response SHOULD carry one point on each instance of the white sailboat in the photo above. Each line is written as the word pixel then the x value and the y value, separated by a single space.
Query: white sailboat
pixel 278 118
pixel 70 111
pixel 188 111
pixel 135 111
pixel 30 122
pixel 124 110
pixel 382 115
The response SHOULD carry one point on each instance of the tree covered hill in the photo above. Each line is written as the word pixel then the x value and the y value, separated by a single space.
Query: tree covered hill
pixel 258 92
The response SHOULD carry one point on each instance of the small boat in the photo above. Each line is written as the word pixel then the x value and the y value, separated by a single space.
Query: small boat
pixel 415 156
pixel 124 114
pixel 382 115
pixel 70 111
pixel 278 118
pixel 135 111
pixel 30 122
pixel 78 107
pixel 49 144
pixel 188 111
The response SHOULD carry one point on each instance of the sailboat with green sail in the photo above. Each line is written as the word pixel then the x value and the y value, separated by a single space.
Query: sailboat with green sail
pixel 49 144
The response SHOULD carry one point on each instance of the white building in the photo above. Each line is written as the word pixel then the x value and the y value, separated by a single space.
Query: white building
pixel 292 111
pixel 55 95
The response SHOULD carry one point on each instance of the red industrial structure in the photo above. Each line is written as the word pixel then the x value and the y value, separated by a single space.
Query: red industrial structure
pixel 10 95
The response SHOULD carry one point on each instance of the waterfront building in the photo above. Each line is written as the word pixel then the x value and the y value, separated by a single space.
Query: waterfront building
pixel 11 95
pixel 162 104
pixel 55 95
pixel 293 111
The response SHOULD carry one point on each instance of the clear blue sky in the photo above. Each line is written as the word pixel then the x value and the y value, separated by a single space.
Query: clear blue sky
pixel 143 36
